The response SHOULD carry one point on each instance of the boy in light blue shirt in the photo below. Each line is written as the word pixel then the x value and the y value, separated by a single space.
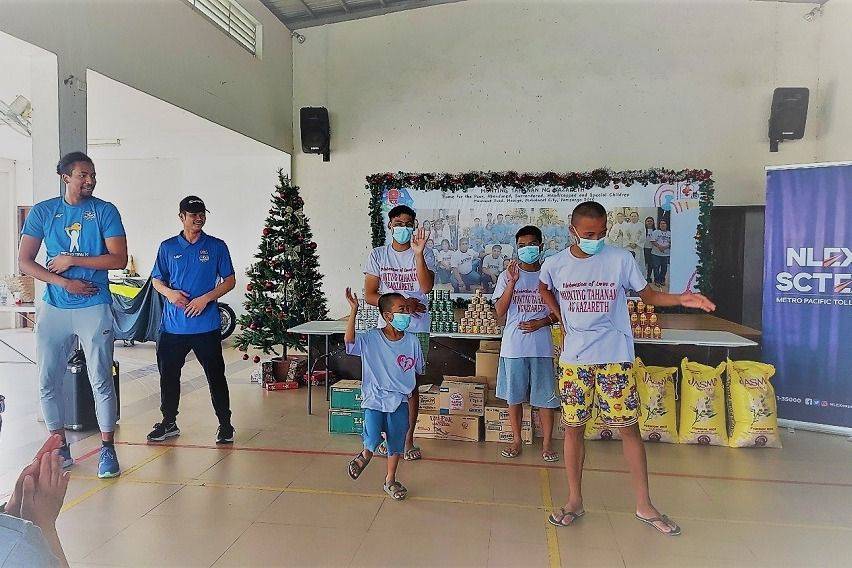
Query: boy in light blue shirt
pixel 390 360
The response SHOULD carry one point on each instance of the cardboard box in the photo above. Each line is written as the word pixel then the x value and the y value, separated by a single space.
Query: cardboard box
pixel 486 366
pixel 346 395
pixel 282 385
pixel 449 427
pixel 558 425
pixel 490 345
pixel 498 428
pixel 345 421
pixel 451 397
pixel 475 379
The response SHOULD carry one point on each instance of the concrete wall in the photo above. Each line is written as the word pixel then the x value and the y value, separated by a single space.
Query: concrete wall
pixel 537 86
pixel 170 51
pixel 834 110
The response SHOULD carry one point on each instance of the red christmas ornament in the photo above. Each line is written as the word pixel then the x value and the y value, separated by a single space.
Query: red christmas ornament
pixel 256 359
pixel 254 326
pixel 269 285
pixel 281 248
pixel 288 275
pixel 312 245
pixel 249 287
pixel 266 231
pixel 245 356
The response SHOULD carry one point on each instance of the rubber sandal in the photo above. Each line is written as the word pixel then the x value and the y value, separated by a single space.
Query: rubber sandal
pixel 550 457
pixel 674 529
pixel 553 520
pixel 510 453
pixel 382 450
pixel 413 454
pixel 358 465
pixel 396 490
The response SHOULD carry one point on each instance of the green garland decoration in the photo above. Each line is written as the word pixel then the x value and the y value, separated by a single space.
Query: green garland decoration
pixel 558 182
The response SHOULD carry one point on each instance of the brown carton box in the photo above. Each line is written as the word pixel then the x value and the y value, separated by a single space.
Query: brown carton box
pixel 453 397
pixel 490 345
pixel 486 366
pixel 449 427
pixel 497 425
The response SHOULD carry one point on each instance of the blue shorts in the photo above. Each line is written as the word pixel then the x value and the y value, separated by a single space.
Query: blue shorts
pixel 527 379
pixel 393 424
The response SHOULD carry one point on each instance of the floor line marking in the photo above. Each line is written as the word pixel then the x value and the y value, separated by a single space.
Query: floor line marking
pixel 341 493
pixel 504 464
pixel 108 482
pixel 549 529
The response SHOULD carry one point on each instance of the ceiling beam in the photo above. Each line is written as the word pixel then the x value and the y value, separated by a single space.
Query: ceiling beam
pixel 357 13
pixel 308 8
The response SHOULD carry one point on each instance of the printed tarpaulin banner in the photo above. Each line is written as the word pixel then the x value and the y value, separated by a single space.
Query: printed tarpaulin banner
pixel 472 232
pixel 807 294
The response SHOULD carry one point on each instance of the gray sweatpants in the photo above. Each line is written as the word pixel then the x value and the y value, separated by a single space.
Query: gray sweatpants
pixel 56 330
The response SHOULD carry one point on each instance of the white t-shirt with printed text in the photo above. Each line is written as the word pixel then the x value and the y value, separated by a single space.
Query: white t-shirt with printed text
pixel 593 301
pixel 397 272
pixel 495 265
pixel 526 305
pixel 463 260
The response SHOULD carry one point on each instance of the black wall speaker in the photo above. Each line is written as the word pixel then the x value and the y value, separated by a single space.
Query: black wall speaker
pixel 316 132
pixel 788 115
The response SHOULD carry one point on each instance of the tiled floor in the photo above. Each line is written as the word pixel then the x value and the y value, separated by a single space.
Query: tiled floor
pixel 281 496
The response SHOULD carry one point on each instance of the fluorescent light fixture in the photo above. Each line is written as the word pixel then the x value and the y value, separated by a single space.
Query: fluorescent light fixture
pixel 104 142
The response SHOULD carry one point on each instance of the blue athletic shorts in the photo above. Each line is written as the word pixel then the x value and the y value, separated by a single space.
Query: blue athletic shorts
pixel 527 379
pixel 393 424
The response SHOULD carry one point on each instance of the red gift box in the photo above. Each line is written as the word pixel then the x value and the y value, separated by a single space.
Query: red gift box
pixel 319 378
pixel 293 368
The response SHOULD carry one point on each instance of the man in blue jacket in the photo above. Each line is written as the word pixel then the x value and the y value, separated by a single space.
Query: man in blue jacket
pixel 192 272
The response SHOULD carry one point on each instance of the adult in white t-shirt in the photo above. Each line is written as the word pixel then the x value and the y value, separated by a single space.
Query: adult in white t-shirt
pixel 405 266
pixel 586 285
pixel 464 275
pixel 661 250
pixel 492 266
pixel 525 372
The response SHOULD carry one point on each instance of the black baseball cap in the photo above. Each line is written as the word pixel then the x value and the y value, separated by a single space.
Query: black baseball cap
pixel 192 204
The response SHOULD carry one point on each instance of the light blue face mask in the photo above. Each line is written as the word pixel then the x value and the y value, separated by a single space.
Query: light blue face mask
pixel 529 254
pixel 402 235
pixel 400 322
pixel 589 246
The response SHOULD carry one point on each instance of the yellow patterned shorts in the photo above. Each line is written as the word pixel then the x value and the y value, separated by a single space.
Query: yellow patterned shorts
pixel 611 386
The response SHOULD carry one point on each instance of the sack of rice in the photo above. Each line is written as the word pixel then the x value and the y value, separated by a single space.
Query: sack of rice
pixel 702 404
pixel 657 404
pixel 597 429
pixel 752 410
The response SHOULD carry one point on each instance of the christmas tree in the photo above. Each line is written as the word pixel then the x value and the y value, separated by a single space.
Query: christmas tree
pixel 285 287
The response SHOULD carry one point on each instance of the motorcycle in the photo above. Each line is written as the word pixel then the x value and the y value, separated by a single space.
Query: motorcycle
pixel 137 310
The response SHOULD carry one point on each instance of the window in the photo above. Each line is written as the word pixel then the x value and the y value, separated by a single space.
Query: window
pixel 234 20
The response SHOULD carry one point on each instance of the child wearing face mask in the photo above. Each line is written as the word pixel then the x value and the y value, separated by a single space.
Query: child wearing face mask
pixel 405 266
pixel 390 360
pixel 525 372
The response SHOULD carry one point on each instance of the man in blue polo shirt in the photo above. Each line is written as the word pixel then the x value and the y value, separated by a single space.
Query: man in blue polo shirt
pixel 192 272
pixel 84 238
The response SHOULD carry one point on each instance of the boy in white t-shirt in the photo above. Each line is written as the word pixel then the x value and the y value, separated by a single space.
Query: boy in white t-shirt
pixel 586 285
pixel 407 267
pixel 492 266
pixel 464 275
pixel 525 372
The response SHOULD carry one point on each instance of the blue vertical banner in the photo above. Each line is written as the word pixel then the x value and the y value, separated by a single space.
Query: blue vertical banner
pixel 807 293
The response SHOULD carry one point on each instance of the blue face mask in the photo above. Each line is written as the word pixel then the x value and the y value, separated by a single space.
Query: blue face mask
pixel 590 246
pixel 400 322
pixel 529 254
pixel 402 235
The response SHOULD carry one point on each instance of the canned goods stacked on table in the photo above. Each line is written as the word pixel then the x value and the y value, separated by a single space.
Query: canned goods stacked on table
pixel 368 316
pixel 479 318
pixel 442 311
pixel 644 320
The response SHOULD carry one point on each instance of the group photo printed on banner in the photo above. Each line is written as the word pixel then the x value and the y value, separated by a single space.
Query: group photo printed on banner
pixel 472 233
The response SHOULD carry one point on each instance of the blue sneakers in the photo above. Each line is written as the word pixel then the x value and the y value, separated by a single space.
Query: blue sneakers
pixel 108 466
pixel 65 454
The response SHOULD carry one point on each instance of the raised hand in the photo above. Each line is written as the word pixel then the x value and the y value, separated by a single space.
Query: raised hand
pixel 418 240
pixel 13 507
pixel 697 301
pixel 513 272
pixel 42 496
pixel 415 307
pixel 352 299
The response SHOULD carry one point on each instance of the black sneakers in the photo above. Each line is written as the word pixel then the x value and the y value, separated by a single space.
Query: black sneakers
pixel 225 434
pixel 163 431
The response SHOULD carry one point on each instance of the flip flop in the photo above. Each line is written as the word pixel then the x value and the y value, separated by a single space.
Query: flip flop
pixel 396 490
pixel 510 453
pixel 357 465
pixel 553 520
pixel 550 456
pixel 413 454
pixel 382 449
pixel 674 529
